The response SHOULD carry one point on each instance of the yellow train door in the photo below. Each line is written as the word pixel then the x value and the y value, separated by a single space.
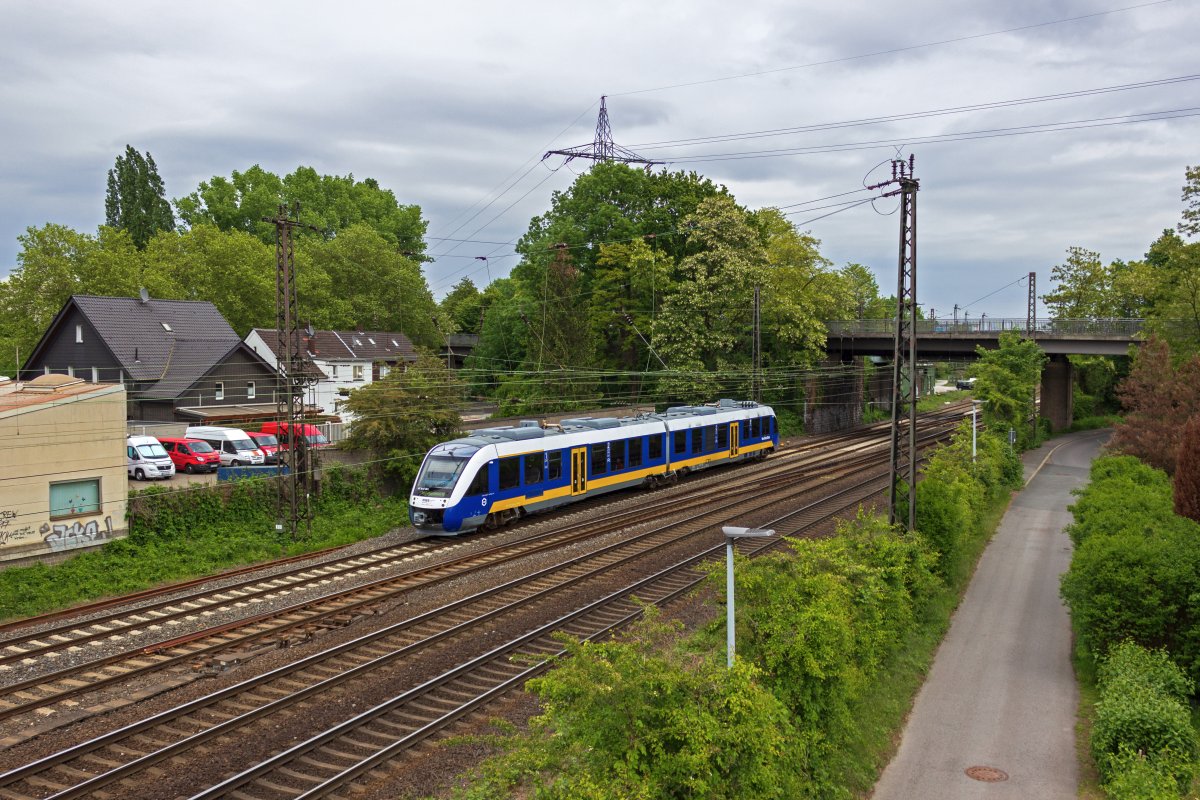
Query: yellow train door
pixel 579 470
pixel 733 439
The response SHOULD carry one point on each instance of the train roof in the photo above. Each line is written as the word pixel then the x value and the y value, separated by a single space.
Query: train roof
pixel 532 429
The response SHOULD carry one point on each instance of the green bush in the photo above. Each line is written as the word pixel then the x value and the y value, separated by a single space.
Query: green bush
pixel 1134 776
pixel 636 718
pixel 1130 664
pixel 1084 405
pixel 1142 710
pixel 1135 573
pixel 820 621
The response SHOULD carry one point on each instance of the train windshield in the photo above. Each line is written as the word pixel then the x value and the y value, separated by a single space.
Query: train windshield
pixel 438 476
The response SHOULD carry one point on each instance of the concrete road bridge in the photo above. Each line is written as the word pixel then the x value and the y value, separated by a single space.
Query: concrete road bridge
pixel 945 340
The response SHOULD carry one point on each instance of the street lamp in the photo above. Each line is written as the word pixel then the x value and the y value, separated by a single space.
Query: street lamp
pixel 732 533
pixel 974 408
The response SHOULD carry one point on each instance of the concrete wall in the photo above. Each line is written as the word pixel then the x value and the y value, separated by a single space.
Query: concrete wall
pixel 1058 392
pixel 61 439
pixel 834 397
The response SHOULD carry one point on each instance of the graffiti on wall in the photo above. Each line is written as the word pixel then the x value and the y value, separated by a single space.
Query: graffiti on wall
pixel 65 537
pixel 10 532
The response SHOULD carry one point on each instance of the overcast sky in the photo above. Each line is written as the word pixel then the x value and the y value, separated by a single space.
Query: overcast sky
pixel 451 104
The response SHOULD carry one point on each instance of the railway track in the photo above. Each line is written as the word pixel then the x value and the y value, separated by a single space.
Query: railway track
pixel 186 657
pixel 349 670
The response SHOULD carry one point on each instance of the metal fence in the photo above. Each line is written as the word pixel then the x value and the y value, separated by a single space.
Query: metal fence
pixel 1117 328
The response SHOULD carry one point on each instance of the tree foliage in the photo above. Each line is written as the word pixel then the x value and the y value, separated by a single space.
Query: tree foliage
pixel 1135 573
pixel 640 719
pixel 1159 398
pixel 1190 225
pixel 1187 472
pixel 331 203
pixel 405 413
pixel 703 325
pixel 1007 377
pixel 135 200
pixel 464 305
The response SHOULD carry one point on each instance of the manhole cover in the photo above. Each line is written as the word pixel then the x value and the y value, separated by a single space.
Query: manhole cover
pixel 986 774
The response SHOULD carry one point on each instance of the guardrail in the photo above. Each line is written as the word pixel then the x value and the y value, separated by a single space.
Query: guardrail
pixel 1116 328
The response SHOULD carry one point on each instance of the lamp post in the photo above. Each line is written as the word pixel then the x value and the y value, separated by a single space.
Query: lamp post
pixel 732 533
pixel 974 408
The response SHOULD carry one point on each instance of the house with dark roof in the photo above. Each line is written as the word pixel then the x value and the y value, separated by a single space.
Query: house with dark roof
pixel 179 360
pixel 339 361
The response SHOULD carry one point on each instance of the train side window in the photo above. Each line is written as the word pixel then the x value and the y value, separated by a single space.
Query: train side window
pixel 656 447
pixel 479 484
pixel 756 427
pixel 554 466
pixel 679 445
pixel 697 439
pixel 617 455
pixel 533 468
pixel 723 437
pixel 599 459
pixel 710 438
pixel 510 472
pixel 635 451
pixel 773 429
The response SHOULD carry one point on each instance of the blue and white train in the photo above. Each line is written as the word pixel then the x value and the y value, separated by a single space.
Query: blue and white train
pixel 496 475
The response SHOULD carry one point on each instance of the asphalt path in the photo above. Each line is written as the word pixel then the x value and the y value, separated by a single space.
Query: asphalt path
pixel 1001 694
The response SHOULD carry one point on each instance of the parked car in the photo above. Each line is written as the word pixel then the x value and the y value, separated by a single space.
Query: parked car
pixel 191 455
pixel 282 430
pixel 145 458
pixel 965 383
pixel 234 446
pixel 267 443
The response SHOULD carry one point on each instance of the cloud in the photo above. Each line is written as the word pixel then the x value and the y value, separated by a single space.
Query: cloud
pixel 446 103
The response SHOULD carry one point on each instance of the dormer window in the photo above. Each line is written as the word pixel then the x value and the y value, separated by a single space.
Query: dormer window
pixel 369 339
pixel 395 343
pixel 166 327
pixel 357 342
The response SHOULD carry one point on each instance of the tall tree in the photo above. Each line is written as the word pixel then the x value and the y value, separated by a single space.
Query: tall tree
pixel 799 292
pixel 1159 398
pixel 135 200
pixel 1007 377
pixel 1190 225
pixel 405 413
pixel 703 330
pixel 54 263
pixel 464 305
pixel 1187 472
pixel 330 203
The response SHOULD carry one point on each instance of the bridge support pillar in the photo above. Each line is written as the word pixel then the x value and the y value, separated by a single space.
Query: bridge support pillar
pixel 1058 396
pixel 834 398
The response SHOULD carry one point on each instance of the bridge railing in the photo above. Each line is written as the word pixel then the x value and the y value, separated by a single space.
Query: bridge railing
pixel 1117 328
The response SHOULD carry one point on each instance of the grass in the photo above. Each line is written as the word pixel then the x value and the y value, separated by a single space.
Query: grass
pixel 934 402
pixel 129 565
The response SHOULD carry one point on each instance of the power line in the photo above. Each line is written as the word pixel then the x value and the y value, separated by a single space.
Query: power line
pixel 911 115
pixel 893 50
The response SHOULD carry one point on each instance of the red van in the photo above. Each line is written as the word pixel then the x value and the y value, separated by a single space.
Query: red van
pixel 311 433
pixel 267 443
pixel 191 455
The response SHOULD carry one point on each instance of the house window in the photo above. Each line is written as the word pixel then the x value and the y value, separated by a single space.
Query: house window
pixel 74 498
pixel 95 374
pixel 250 390
pixel 333 371
pixel 358 372
pixel 78 334
pixel 220 390
pixel 71 371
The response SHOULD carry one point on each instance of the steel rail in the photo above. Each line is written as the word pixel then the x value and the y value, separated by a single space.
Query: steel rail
pixel 189 708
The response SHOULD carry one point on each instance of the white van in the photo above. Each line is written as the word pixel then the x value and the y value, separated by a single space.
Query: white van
pixel 235 447
pixel 146 458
